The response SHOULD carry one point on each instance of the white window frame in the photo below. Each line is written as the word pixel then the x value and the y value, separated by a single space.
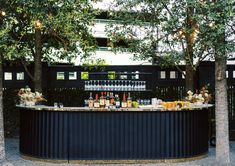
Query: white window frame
pixel 18 76
pixel 8 76
pixel 58 75
pixel 74 77
pixel 172 74
pixel 162 74
pixel 183 75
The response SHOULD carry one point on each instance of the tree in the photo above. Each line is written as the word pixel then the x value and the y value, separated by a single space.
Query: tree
pixel 172 31
pixel 221 14
pixel 2 143
pixel 50 30
pixel 6 48
pixel 203 28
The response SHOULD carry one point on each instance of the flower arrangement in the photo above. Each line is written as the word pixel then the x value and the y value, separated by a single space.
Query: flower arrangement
pixel 29 98
pixel 202 97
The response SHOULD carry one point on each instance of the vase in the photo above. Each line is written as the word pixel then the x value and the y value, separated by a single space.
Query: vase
pixel 29 103
pixel 198 103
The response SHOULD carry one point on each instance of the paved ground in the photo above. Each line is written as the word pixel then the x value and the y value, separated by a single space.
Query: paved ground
pixel 13 158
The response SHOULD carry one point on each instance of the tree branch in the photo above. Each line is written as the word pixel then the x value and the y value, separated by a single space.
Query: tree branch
pixel 179 69
pixel 27 71
pixel 165 6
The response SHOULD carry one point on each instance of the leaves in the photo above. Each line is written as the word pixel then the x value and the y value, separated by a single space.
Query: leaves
pixel 65 26
pixel 168 28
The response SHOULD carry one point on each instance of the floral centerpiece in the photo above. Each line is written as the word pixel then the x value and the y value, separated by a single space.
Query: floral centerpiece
pixel 29 98
pixel 202 97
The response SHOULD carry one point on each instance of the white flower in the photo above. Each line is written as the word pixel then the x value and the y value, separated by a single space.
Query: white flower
pixel 206 94
pixel 37 94
pixel 190 93
pixel 28 90
pixel 200 96
pixel 190 97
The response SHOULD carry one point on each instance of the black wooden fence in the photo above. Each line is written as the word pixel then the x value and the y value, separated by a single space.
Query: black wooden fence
pixel 61 84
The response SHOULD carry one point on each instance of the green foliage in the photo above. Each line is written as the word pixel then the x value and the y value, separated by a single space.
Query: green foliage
pixel 93 63
pixel 84 75
pixel 173 29
pixel 7 44
pixel 65 27
pixel 111 75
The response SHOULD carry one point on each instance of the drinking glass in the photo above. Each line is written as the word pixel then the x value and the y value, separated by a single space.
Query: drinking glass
pixel 121 83
pixel 115 85
pixel 111 85
pixel 129 85
pixel 98 85
pixel 92 85
pixel 55 105
pixel 86 82
pixel 144 85
pixel 105 85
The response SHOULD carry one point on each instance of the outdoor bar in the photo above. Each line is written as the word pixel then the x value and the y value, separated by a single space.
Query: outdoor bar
pixel 101 135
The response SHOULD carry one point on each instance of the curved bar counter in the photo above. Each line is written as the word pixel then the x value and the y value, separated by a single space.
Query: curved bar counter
pixel 76 134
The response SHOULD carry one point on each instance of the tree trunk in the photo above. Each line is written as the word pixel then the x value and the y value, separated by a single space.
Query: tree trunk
pixel 189 79
pixel 190 72
pixel 221 112
pixel 38 61
pixel 2 142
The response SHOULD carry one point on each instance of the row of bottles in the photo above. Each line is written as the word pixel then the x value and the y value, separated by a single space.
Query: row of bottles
pixel 115 85
pixel 109 100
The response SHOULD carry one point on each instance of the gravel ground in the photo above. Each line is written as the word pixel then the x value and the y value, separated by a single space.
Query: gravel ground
pixel 13 158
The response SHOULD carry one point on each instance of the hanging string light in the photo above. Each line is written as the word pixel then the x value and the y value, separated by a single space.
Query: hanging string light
pixel 38 24
pixel 3 13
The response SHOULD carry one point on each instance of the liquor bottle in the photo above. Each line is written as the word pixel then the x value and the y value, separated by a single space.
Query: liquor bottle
pixel 117 101
pixel 107 101
pixel 90 101
pixel 96 103
pixel 124 103
pixel 111 100
pixel 129 100
pixel 102 100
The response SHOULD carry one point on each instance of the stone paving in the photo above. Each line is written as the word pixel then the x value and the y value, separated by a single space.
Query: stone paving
pixel 13 158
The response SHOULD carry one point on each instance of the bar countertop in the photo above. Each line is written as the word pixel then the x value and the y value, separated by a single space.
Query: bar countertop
pixel 141 108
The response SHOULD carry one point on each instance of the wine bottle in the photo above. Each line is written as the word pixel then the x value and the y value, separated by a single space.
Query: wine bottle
pixel 90 101
pixel 117 101
pixel 112 102
pixel 129 100
pixel 124 103
pixel 107 101
pixel 96 103
pixel 102 100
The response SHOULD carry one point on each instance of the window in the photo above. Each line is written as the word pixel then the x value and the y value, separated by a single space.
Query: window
pixel 72 75
pixel 183 75
pixel 84 75
pixel 135 75
pixel 20 76
pixel 60 75
pixel 7 76
pixel 162 74
pixel 233 74
pixel 226 74
pixel 172 75
pixel 111 75
pixel 123 76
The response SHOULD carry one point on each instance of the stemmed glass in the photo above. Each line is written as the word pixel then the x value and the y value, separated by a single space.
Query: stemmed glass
pixel 115 85
pixel 91 85
pixel 129 85
pixel 144 86
pixel 121 85
pixel 105 85
pixel 86 83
